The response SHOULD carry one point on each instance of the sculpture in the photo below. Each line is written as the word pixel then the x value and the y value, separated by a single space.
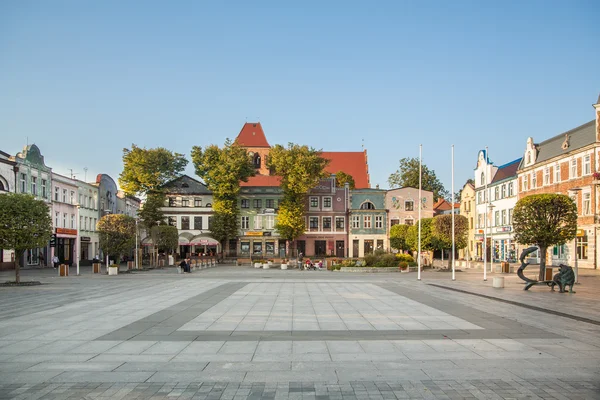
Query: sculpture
pixel 565 277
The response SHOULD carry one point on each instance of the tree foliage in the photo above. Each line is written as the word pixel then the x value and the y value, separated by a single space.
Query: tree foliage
pixel 442 230
pixel 301 168
pixel 341 178
pixel 398 237
pixel 25 223
pixel 151 213
pixel 427 239
pixel 166 237
pixel 408 175
pixel 545 220
pixel 222 170
pixel 146 170
pixel 117 234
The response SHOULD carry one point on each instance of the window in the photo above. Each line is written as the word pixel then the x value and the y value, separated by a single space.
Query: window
pixel 34 185
pixel 394 221
pixel 257 203
pixel 64 196
pixel 171 202
pixel 185 223
pixel 81 199
pixel 197 202
pixel 185 203
pixel 587 166
pixel 409 205
pixel 471 223
pixel 245 247
pixel 64 220
pixel 367 221
pixel 497 218
pixel 367 205
pixel 587 209
pixel 81 225
pixel 511 192
pixel 327 223
pixel 479 198
pixel 172 221
pixel 503 217
pixel 525 183
pixel 44 193
pixel 409 221
pixel 72 198
pixel 326 202
pixel 496 193
pixel 270 203
pixel 533 180
pixel 482 181
pixel 313 223
pixel 379 221
pixel 339 224
pixel 479 220
pixel 269 221
pixel 95 223
pixel 547 176
pixel 314 202
pixel 510 213
pixel 24 183
pixel 210 222
pixel 559 251
pixel 245 203
pixel 85 225
pixel 257 222
pixel 582 247
pixel 198 223
pixel 557 173
pixel 256 160
pixel 355 221
pixel 56 220
pixel 573 168
pixel 72 221
pixel 503 191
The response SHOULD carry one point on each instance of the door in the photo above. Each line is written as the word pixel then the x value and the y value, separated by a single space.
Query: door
pixel 320 248
pixel 355 248
pixel 339 248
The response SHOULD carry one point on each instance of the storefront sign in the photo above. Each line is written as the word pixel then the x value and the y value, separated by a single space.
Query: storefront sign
pixel 86 239
pixel 580 232
pixel 266 233
pixel 254 234
pixel 65 231
pixel 503 229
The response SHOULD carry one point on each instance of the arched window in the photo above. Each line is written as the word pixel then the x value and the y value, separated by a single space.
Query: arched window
pixel 367 205
pixel 256 160
pixel 482 179
pixel 528 158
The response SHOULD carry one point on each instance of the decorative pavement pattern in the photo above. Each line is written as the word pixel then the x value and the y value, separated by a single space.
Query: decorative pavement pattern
pixel 240 333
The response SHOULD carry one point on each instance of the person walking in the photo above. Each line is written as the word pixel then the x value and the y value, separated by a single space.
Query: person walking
pixel 55 261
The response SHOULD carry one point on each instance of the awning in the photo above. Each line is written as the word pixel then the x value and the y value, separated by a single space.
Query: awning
pixel 202 240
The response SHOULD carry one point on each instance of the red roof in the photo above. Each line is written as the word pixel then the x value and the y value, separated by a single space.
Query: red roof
pixel 353 163
pixel 252 135
pixel 262 180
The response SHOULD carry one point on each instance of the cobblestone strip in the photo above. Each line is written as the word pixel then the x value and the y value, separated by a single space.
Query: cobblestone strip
pixel 429 389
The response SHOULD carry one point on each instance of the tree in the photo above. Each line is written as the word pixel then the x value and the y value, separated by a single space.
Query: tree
pixel 398 237
pixel 25 223
pixel 117 234
pixel 166 237
pixel 341 178
pixel 545 220
pixel 300 168
pixel 151 213
pixel 408 175
pixel 146 170
pixel 427 240
pixel 222 170
pixel 442 231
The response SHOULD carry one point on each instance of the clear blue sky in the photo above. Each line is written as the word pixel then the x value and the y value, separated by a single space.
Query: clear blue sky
pixel 84 79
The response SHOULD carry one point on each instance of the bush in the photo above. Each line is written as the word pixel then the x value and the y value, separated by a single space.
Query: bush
pixel 402 265
pixel 371 259
pixel 405 257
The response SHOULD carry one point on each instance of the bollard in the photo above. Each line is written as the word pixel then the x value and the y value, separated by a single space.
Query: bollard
pixel 498 282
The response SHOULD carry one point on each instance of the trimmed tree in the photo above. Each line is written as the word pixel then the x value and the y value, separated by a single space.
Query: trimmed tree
pixel 117 234
pixel 398 237
pixel 545 220
pixel 166 237
pixel 427 239
pixel 222 170
pixel 25 223
pixel 300 168
pixel 442 231
pixel 408 175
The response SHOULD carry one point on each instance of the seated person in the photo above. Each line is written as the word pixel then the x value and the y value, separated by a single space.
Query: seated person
pixel 185 266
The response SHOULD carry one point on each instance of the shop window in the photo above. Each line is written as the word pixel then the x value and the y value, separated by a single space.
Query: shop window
pixel 270 248
pixel 368 247
pixel 257 248
pixel 245 248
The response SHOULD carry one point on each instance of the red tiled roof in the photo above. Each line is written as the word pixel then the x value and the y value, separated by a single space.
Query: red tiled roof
pixel 252 135
pixel 262 180
pixel 353 163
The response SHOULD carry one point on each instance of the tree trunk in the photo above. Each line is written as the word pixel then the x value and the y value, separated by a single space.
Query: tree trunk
pixel 542 263
pixel 18 266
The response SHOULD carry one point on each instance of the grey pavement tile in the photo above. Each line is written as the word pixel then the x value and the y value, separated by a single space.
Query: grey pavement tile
pixel 29 377
pixel 79 366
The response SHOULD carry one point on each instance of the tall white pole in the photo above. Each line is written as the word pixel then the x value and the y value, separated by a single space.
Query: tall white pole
pixel 419 202
pixel 136 244
pixel 485 217
pixel 77 240
pixel 453 243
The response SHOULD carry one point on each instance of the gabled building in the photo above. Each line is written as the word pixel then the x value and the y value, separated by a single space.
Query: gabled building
pixel 467 209
pixel 65 218
pixel 403 205
pixel 566 163
pixel 189 208
pixel 442 206
pixel 368 221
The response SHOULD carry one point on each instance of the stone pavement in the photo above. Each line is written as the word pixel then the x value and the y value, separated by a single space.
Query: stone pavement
pixel 238 332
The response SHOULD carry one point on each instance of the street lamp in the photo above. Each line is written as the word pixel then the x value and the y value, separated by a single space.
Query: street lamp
pixel 573 192
pixel 136 244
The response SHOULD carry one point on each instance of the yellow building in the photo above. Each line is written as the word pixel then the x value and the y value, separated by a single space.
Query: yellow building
pixel 467 208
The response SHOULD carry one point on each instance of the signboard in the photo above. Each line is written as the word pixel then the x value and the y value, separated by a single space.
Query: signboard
pixel 253 234
pixel 503 229
pixel 266 233
pixel 65 231
pixel 580 232
pixel 86 239
pixel 53 240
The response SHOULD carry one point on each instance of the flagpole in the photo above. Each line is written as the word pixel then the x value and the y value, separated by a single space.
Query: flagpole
pixel 453 243
pixel 420 203
pixel 485 217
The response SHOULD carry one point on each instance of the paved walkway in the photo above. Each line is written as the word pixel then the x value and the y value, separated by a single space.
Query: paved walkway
pixel 238 332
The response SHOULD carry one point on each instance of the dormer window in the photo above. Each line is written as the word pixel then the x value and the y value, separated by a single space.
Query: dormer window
pixel 185 185
pixel 367 205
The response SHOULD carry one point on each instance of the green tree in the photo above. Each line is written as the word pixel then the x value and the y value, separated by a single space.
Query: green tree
pixel 408 175
pixel 117 234
pixel 222 170
pixel 151 213
pixel 442 232
pixel 427 239
pixel 341 178
pixel 301 168
pixel 398 237
pixel 166 237
pixel 25 223
pixel 545 220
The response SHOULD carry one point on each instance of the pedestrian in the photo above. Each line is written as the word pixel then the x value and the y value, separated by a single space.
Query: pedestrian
pixel 56 261
pixel 41 259
pixel 183 265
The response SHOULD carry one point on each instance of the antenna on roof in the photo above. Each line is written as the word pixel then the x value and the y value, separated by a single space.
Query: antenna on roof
pixel 363 143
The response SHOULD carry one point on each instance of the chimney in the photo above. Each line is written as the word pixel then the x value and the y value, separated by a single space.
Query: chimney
pixel 597 107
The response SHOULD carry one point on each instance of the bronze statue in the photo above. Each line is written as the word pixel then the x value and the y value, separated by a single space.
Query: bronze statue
pixel 565 277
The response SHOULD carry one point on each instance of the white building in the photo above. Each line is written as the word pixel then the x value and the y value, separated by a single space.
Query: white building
pixel 88 218
pixel 7 173
pixel 65 218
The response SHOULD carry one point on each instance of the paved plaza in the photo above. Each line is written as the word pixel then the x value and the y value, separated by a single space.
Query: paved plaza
pixel 243 333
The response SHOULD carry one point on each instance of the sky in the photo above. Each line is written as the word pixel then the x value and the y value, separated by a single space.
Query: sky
pixel 83 80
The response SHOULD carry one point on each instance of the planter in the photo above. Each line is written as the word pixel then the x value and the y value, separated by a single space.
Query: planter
pixel 284 266
pixel 266 266
pixel 113 270
pixel 96 268
pixel 257 265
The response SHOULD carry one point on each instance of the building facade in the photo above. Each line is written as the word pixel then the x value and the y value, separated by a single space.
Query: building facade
pixel 403 205
pixel 467 209
pixel 65 218
pixel 8 170
pixel 89 243
pixel 368 222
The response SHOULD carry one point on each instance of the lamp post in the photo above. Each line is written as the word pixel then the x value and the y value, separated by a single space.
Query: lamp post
pixel 574 194
pixel 136 244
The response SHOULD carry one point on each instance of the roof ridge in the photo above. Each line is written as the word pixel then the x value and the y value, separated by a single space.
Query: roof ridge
pixel 558 136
